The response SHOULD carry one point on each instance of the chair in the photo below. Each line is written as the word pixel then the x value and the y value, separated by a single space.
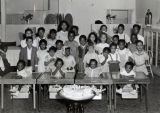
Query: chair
pixel 149 62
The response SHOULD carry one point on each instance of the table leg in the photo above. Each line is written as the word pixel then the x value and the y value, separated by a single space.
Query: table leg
pixel 115 99
pixel 2 96
pixel 34 97
pixel 146 97
pixel 110 98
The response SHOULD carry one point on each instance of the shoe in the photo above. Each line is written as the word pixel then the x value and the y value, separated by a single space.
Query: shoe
pixel 119 91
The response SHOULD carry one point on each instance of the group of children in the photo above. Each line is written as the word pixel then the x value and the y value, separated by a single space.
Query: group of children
pixel 65 50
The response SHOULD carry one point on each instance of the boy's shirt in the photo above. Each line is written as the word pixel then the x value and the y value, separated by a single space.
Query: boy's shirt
pixel 124 73
pixel 93 72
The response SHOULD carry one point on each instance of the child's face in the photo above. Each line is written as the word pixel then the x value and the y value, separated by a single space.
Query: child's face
pixel 28 33
pixel 139 46
pixel 71 37
pixel 103 38
pixel 92 38
pixel 134 39
pixel 93 65
pixel 53 35
pixel 135 30
pixel 91 49
pixel 67 52
pixel 115 40
pixel 43 46
pixel 82 41
pixel 29 42
pixel 104 29
pixel 59 64
pixel 121 46
pixel 41 33
pixel 120 30
pixel 59 46
pixel 113 49
pixel 75 30
pixel 64 26
pixel 105 53
pixel 128 68
pixel 20 66
pixel 51 53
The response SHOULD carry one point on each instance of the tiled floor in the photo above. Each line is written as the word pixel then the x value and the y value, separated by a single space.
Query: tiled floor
pixel 55 106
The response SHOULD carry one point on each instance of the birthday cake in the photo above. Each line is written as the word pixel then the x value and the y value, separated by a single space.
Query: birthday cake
pixel 75 92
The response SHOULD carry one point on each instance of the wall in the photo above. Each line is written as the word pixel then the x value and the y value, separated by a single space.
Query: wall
pixel 85 12
pixel 143 5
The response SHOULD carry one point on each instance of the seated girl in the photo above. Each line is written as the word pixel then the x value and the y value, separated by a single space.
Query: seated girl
pixel 93 71
pixel 22 72
pixel 58 71
pixel 127 72
pixel 50 59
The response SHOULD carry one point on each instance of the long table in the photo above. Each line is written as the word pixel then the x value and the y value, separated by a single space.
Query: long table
pixel 140 79
pixel 107 81
pixel 12 78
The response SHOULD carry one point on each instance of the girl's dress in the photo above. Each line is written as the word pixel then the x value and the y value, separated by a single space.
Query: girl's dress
pixel 124 56
pixel 140 59
pixel 99 47
pixel 41 54
pixel 93 72
pixel 105 67
pixel 61 35
pixel 90 56
pixel 51 42
pixel 68 63
pixel 51 65
pixel 124 37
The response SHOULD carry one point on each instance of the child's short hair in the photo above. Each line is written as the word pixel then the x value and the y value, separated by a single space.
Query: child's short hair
pixel 71 32
pixel 41 28
pixel 75 27
pixel 29 38
pixel 82 37
pixel 121 25
pixel 112 44
pixel 28 29
pixel 52 48
pixel 59 41
pixel 116 36
pixel 107 49
pixel 136 25
pixel 57 60
pixel 21 61
pixel 93 60
pixel 103 26
pixel 122 41
pixel 129 63
pixel 139 41
pixel 42 41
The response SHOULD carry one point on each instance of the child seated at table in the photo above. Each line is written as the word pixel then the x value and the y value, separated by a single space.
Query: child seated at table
pixel 69 61
pixel 50 59
pixel 93 70
pixel 58 71
pixel 127 72
pixel 22 72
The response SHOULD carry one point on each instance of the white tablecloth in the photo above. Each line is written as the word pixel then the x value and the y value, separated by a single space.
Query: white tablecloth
pixel 13 55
